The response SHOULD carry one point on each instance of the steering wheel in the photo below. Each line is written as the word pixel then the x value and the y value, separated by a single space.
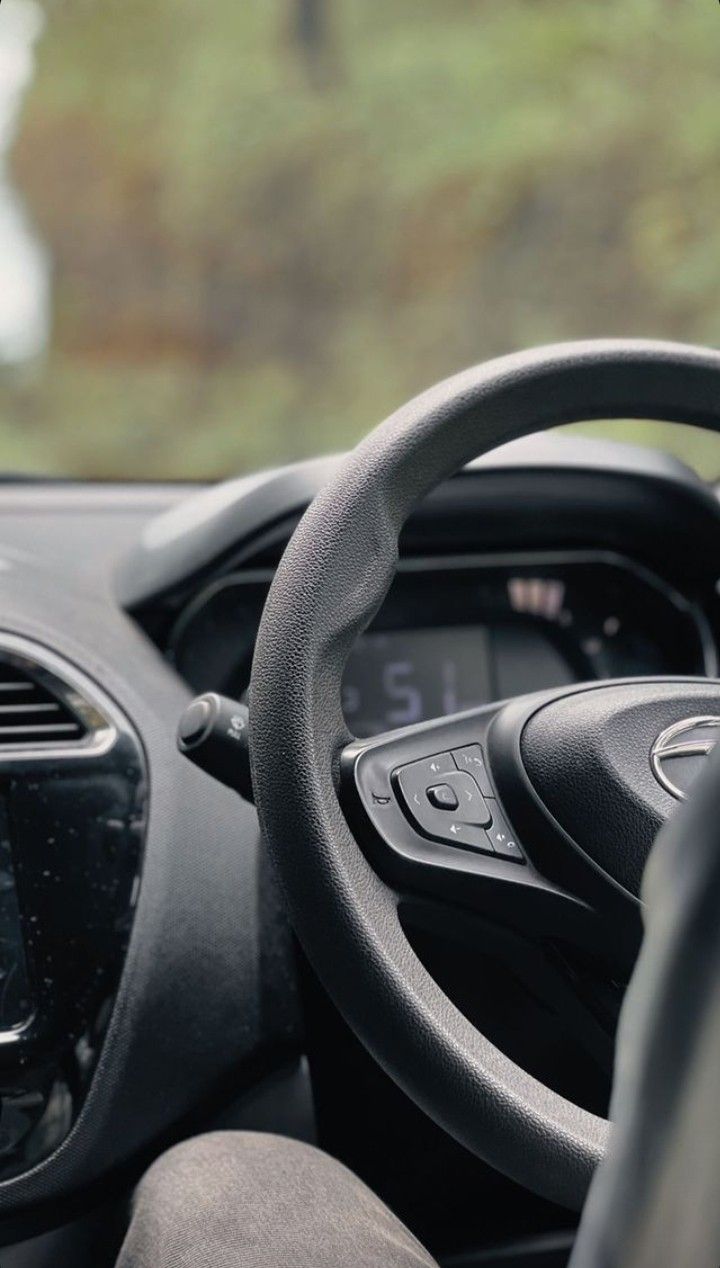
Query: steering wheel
pixel 540 812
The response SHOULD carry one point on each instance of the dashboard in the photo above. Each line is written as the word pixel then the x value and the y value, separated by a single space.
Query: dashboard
pixel 549 562
pixel 460 631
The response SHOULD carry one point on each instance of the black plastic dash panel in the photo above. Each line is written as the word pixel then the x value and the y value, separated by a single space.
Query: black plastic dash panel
pixel 72 826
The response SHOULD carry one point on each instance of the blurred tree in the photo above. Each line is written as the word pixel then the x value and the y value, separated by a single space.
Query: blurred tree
pixel 311 32
pixel 271 221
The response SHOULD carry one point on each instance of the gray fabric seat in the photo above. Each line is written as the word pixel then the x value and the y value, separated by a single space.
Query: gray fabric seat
pixel 246 1200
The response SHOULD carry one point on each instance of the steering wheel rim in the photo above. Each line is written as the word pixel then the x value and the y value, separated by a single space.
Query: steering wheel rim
pixel 330 583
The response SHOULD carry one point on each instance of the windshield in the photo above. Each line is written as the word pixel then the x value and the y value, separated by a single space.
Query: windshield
pixel 235 234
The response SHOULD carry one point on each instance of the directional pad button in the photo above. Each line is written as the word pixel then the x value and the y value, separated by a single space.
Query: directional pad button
pixel 443 803
pixel 443 797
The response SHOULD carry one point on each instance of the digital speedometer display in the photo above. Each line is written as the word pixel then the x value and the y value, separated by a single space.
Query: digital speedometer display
pixel 397 678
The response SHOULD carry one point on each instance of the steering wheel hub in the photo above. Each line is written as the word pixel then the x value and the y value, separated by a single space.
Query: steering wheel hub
pixel 592 756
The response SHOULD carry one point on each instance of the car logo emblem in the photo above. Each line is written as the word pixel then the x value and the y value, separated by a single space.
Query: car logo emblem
pixel 678 754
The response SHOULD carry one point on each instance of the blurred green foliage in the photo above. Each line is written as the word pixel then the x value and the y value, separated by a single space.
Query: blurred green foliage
pixel 265 235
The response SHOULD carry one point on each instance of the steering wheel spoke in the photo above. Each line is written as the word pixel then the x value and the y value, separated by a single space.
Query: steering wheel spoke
pixel 425 805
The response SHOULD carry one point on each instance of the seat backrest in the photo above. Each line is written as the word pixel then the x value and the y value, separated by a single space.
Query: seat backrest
pixel 655 1200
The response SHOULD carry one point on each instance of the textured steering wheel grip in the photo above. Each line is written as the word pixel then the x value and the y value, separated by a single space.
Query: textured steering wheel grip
pixel 330 583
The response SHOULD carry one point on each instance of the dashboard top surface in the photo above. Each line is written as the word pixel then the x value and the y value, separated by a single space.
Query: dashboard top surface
pixel 199 532
pixel 151 537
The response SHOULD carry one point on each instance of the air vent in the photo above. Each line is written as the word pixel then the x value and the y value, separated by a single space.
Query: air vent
pixel 31 714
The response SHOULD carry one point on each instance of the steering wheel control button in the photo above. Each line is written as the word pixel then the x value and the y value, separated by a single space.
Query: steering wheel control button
pixel 467 836
pixel 472 759
pixel 416 783
pixel 443 803
pixel 429 770
pixel 501 837
pixel 443 797
pixel 415 780
pixel 471 805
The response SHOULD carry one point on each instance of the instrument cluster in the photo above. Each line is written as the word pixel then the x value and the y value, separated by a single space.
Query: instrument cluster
pixel 459 631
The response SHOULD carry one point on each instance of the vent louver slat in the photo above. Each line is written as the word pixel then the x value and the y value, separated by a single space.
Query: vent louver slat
pixel 31 714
